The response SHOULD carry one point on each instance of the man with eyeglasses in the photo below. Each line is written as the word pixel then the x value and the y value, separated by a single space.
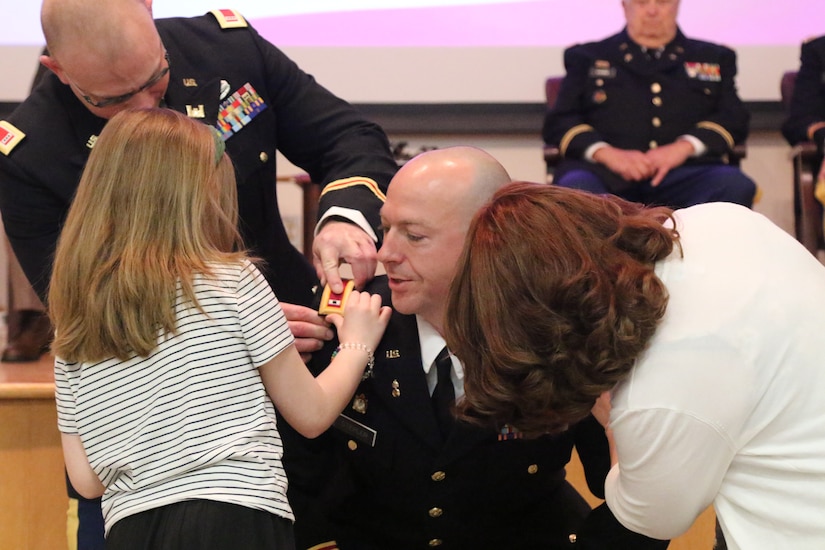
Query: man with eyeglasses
pixel 109 56
pixel 650 115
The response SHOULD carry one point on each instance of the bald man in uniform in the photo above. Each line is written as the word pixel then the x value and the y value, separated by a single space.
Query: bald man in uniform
pixel 394 473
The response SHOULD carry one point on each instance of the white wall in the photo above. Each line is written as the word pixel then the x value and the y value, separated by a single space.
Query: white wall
pixel 767 162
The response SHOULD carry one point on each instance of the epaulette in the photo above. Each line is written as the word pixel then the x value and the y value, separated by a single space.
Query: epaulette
pixel 10 136
pixel 230 19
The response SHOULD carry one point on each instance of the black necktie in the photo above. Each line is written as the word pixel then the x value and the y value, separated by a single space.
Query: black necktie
pixel 444 393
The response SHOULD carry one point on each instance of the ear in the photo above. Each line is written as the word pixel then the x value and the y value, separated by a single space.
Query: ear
pixel 148 5
pixel 52 64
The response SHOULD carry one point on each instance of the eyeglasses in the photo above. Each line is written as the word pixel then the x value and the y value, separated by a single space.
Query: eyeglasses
pixel 643 3
pixel 109 101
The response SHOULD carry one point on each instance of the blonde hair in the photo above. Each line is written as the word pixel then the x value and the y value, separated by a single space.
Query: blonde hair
pixel 156 204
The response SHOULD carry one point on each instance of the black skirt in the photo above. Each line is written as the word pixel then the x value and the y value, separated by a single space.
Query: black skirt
pixel 202 525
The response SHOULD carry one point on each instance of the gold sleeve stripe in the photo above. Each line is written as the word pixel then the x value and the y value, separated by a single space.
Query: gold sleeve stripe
pixel 571 133
pixel 814 128
pixel 712 126
pixel 370 184
pixel 10 136
pixel 331 545
pixel 229 19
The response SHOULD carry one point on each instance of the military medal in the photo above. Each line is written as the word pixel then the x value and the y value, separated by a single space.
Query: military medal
pixel 509 433
pixel 238 110
pixel 359 404
pixel 709 72
pixel 396 388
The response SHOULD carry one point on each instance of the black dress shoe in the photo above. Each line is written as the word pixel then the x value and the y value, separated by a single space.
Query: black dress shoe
pixel 30 333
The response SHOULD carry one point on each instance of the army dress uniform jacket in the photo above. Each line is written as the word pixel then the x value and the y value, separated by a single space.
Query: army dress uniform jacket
pixel 808 102
pixel 613 92
pixel 384 478
pixel 314 129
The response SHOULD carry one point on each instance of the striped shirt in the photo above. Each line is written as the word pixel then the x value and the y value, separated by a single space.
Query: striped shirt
pixel 193 420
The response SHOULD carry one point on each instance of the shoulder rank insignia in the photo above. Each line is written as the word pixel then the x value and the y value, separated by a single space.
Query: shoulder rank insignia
pixel 229 19
pixel 10 136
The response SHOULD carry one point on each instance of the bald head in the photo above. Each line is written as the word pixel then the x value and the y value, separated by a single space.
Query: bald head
pixel 461 179
pixel 109 53
pixel 430 204
pixel 108 29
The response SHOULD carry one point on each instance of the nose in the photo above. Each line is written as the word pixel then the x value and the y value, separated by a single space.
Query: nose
pixel 150 97
pixel 386 253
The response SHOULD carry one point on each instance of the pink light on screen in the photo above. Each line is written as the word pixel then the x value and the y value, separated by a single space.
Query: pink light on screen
pixel 539 23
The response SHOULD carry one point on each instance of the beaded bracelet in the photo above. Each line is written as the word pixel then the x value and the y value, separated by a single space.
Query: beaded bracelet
pixel 362 347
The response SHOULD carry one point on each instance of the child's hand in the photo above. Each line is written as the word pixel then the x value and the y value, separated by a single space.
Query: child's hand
pixel 364 319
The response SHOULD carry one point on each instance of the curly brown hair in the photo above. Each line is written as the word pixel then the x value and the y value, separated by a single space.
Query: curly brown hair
pixel 554 299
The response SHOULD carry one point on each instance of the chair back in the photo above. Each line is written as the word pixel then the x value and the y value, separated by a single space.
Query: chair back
pixel 551 90
pixel 786 86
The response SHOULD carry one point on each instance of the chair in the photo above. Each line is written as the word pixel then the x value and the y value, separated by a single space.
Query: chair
pixel 310 195
pixel 552 155
pixel 807 209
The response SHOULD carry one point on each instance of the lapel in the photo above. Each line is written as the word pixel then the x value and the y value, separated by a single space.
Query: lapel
pixel 412 406
pixel 191 91
pixel 401 387
pixel 399 381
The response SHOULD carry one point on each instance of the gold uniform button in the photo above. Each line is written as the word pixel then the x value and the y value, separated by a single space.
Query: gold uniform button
pixel 599 82
pixel 263 156
pixel 438 476
pixel 435 542
pixel 436 512
pixel 655 87
pixel 657 101
pixel 707 91
pixel 532 469
pixel 653 144
pixel 656 121
pixel 352 445
pixel 572 538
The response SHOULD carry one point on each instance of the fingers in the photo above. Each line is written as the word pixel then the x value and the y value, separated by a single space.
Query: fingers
pixel 341 242
pixel 295 312
pixel 660 175
pixel 309 329
pixel 363 270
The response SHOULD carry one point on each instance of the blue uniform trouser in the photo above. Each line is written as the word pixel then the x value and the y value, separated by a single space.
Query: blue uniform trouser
pixel 682 187
pixel 85 522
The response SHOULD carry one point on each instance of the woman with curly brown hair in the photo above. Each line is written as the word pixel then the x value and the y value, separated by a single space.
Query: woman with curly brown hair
pixel 703 324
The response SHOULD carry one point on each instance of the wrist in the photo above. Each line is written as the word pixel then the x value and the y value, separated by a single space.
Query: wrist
pixel 358 346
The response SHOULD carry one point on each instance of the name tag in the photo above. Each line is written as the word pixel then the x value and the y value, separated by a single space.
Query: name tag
pixel 355 429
